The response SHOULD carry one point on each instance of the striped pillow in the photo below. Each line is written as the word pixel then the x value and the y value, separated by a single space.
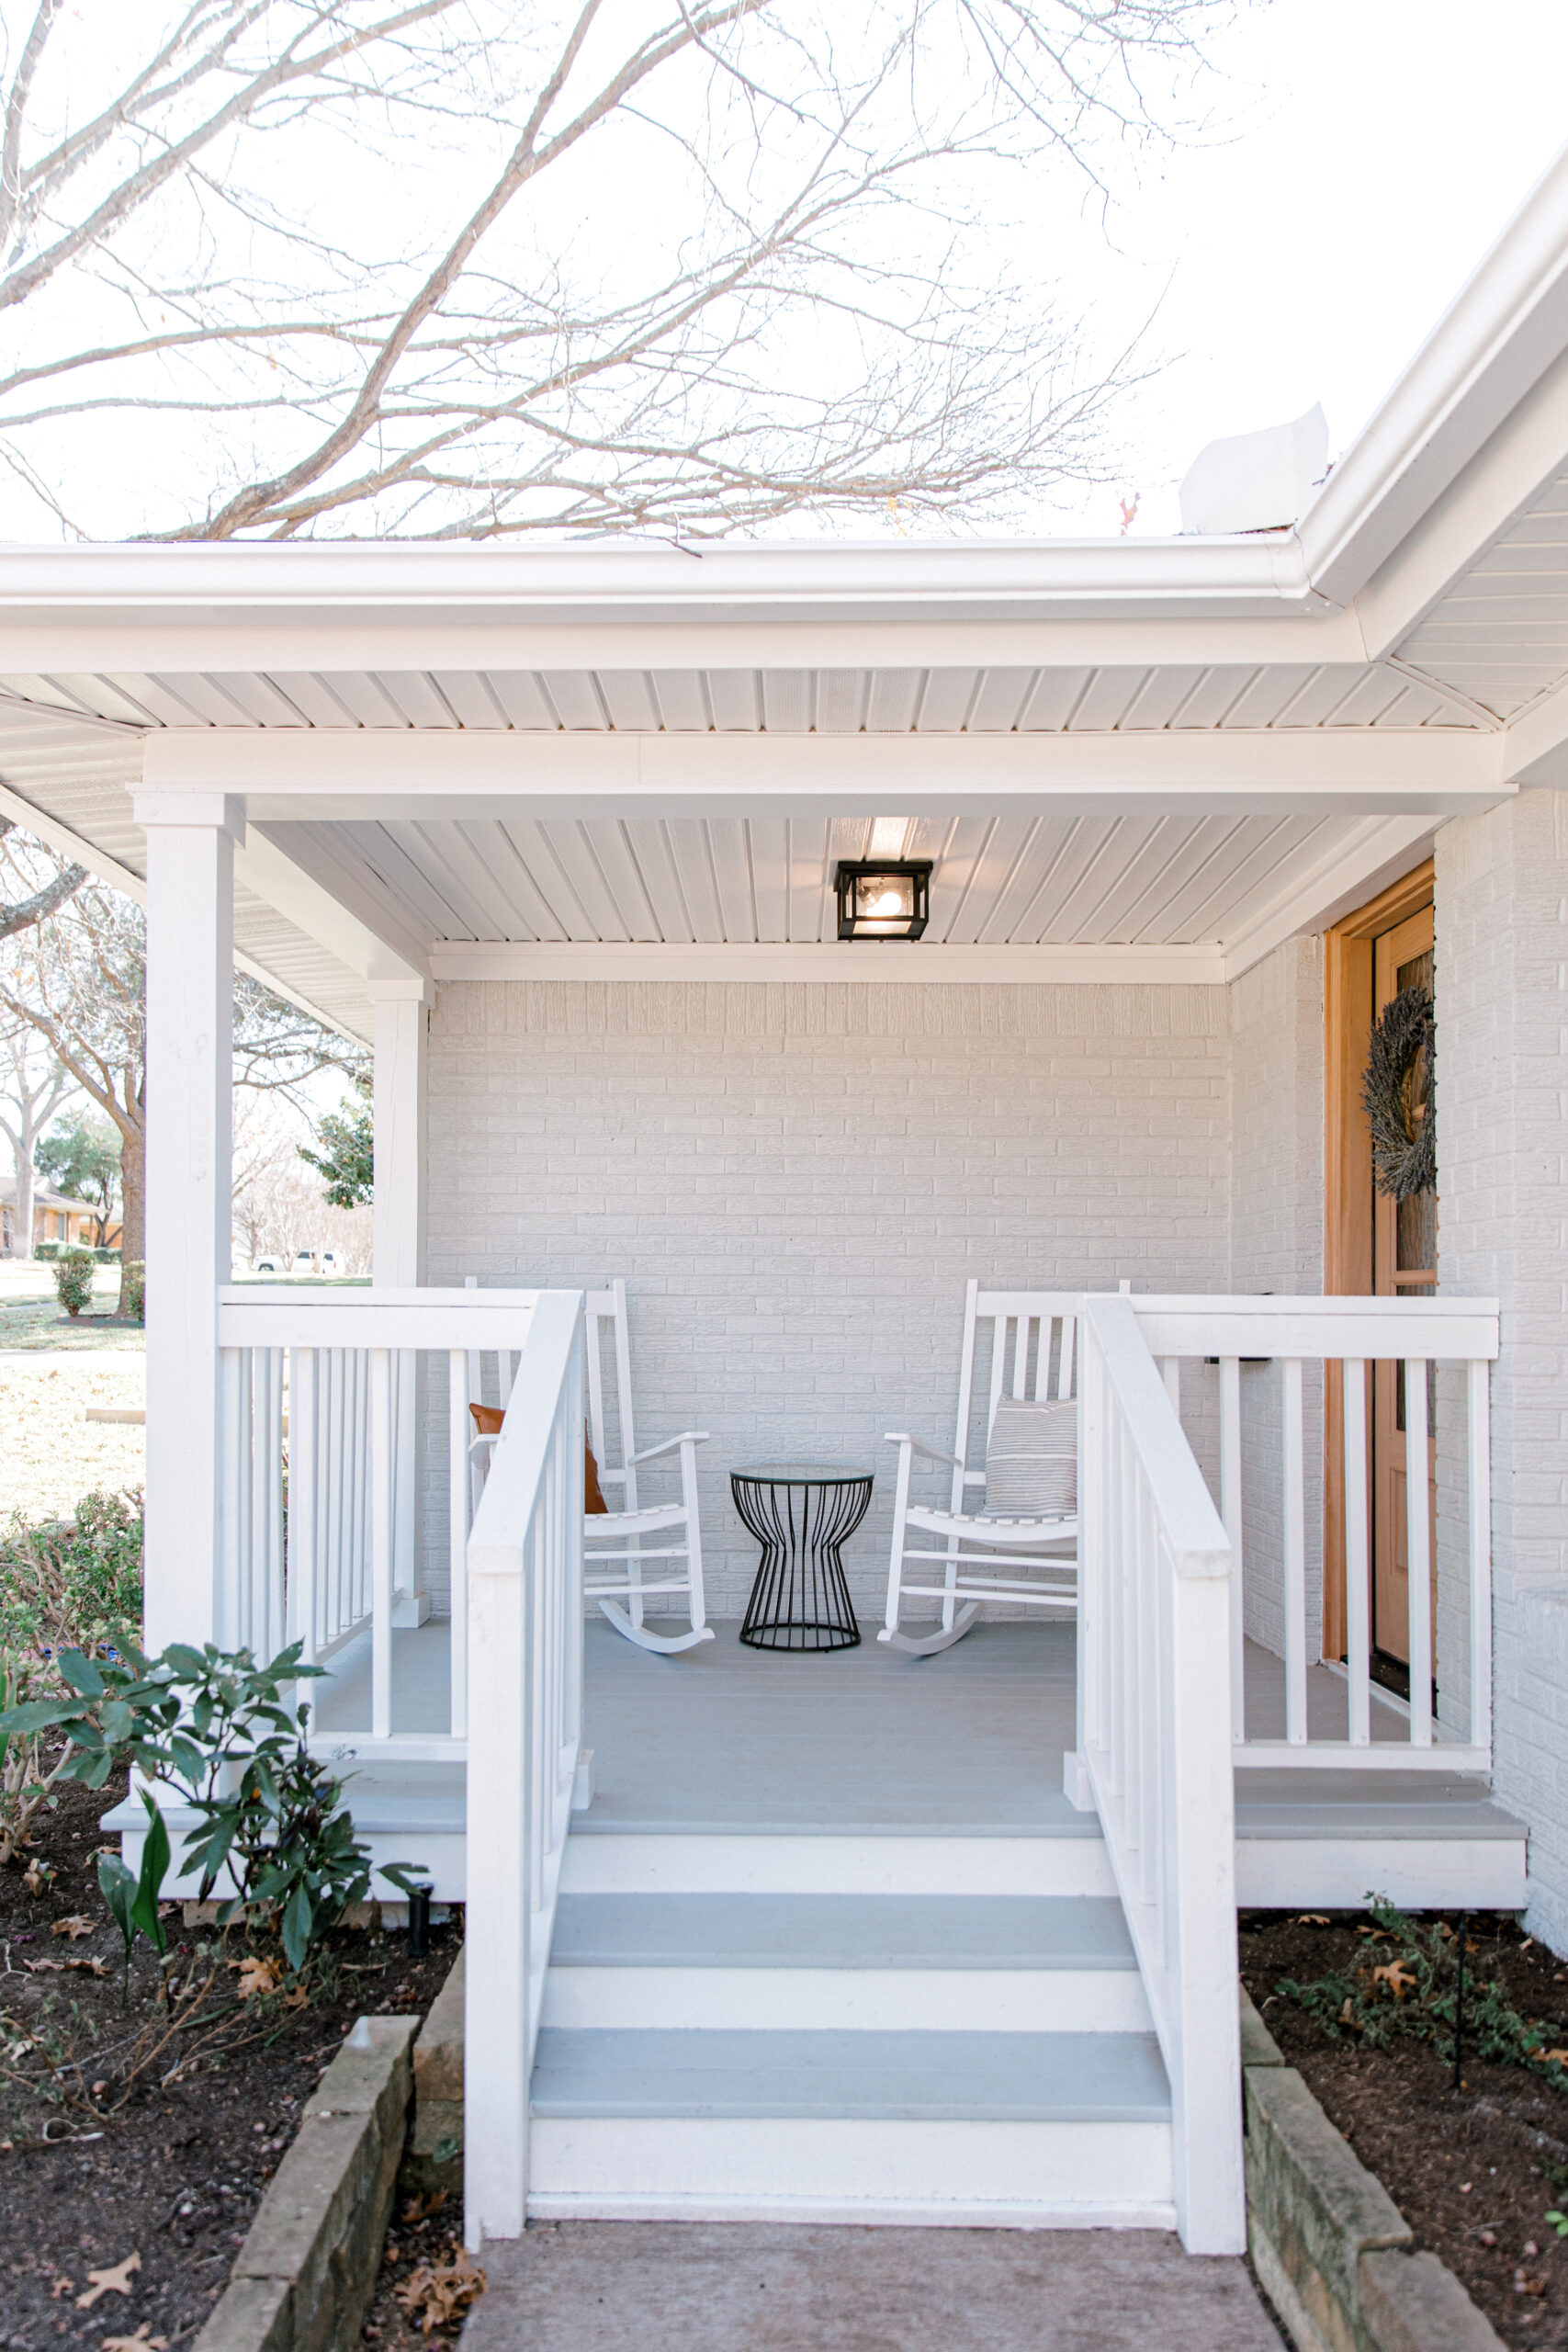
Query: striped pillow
pixel 1032 1463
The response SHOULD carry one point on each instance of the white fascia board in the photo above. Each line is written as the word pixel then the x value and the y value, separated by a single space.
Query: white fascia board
pixel 1506 327
pixel 1535 745
pixel 1502 482
pixel 181 589
pixel 330 642
pixel 1379 851
pixel 301 778
pixel 906 965
pixel 104 868
pixel 376 953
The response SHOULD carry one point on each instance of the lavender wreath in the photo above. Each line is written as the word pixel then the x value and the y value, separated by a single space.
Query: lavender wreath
pixel 1398 1095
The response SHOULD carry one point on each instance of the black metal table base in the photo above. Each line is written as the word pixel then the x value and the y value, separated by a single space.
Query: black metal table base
pixel 800 1598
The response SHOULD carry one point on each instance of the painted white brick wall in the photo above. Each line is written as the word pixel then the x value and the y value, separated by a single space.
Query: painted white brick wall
pixel 1275 1013
pixel 1502 998
pixel 797 1182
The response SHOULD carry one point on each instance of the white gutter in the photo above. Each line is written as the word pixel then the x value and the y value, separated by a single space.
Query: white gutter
pixel 346 583
pixel 1497 338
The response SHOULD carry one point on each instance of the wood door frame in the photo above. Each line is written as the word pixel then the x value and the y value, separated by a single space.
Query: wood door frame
pixel 1347 991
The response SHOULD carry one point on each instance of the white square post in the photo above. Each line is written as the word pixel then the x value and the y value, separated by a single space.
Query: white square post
pixel 190 990
pixel 397 1241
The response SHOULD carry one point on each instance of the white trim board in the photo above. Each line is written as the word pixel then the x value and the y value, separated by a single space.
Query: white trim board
pixel 891 965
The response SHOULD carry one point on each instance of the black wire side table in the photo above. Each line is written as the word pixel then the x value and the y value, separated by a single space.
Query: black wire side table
pixel 801 1512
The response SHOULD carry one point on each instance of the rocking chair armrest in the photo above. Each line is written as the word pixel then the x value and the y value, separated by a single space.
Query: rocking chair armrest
pixel 687 1437
pixel 489 1437
pixel 931 1453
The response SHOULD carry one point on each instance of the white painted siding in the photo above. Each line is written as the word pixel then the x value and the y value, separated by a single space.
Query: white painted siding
pixel 797 1182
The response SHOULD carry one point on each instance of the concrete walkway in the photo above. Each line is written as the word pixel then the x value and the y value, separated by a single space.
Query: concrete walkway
pixel 739 2286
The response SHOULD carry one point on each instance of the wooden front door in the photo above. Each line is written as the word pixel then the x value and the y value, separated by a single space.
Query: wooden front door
pixel 1370 1244
pixel 1404 1261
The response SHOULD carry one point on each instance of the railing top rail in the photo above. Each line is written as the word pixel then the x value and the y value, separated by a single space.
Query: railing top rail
pixel 1439 1329
pixel 1192 1527
pixel 1027 1302
pixel 518 1463
pixel 297 1315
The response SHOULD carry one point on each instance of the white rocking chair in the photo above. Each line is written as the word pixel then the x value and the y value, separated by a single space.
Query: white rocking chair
pixel 627 1580
pixel 979 1557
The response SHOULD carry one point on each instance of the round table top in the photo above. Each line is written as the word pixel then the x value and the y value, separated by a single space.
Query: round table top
pixel 802 1474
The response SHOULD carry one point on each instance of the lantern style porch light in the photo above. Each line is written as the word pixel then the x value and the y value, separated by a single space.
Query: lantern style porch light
pixel 882 898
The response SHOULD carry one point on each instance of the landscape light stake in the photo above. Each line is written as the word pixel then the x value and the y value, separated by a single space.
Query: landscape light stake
pixel 1459 1997
pixel 419 1921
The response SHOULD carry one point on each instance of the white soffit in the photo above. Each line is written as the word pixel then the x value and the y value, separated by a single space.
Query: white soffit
pixel 1017 698
pixel 1044 897
pixel 1499 637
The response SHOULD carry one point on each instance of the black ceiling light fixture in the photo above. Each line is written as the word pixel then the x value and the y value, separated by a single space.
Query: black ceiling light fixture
pixel 883 897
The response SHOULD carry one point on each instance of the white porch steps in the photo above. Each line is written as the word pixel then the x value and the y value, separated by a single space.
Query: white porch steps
pixel 885 2036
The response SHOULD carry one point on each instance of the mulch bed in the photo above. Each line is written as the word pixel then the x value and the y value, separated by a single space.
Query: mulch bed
pixel 171 2167
pixel 1475 2170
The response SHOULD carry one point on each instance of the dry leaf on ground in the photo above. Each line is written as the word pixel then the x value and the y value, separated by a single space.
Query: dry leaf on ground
pixel 76 1927
pixel 435 2295
pixel 140 2342
pixel 1396 1976
pixel 257 1975
pixel 116 2281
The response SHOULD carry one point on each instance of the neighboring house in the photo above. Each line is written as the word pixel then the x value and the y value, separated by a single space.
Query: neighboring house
pixel 556 831
pixel 56 1218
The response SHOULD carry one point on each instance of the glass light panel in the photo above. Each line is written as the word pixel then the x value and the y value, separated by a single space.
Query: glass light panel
pixel 883 901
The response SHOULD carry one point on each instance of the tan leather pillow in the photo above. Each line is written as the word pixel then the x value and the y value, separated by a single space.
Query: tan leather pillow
pixel 488 1420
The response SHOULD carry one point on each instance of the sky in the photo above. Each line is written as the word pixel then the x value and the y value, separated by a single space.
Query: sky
pixel 1375 149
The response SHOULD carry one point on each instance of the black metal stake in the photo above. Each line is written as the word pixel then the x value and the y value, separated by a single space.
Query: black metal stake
pixel 1458 1996
pixel 419 1921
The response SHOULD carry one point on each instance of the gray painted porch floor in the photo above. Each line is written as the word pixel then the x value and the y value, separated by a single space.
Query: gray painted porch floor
pixel 726 1739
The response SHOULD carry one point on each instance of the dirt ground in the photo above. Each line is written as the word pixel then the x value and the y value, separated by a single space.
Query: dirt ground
pixel 1474 2171
pixel 154 2181
pixel 51 1455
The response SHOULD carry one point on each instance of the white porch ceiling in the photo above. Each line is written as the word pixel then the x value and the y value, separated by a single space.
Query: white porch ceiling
pixel 1500 636
pixel 1069 880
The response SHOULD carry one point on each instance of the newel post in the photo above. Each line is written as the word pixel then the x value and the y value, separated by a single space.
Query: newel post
pixel 191 838
pixel 401 1003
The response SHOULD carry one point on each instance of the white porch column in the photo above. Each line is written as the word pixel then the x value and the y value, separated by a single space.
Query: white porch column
pixel 190 985
pixel 398 1244
pixel 402 1022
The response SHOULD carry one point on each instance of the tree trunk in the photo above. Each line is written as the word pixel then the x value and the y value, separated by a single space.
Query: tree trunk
pixel 27 1179
pixel 134 1199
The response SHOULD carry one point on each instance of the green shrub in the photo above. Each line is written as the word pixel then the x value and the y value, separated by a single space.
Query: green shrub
pixel 101 1257
pixel 46 1250
pixel 133 1291
pixel 74 1281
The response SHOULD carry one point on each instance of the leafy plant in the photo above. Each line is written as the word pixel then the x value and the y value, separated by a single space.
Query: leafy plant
pixel 217 1728
pixel 132 1896
pixel 74 1281
pixel 65 1584
pixel 1411 1993
pixel 133 1291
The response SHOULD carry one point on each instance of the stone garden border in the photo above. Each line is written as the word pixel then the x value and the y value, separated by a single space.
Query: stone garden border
pixel 1335 2254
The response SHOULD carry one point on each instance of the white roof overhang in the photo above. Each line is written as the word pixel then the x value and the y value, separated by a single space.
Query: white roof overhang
pixel 1124 756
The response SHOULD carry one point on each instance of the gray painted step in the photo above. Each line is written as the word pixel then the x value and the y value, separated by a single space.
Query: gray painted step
pixel 914 1932
pixel 1343 1804
pixel 931 2077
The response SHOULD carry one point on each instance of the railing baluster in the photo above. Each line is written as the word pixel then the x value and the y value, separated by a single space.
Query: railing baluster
pixel 1478 1416
pixel 1170 1372
pixel 300 1567
pixel 1294 1556
pixel 225 1613
pixel 1231 1512
pixel 244 1517
pixel 1358 1568
pixel 457 1427
pixel 1418 1551
pixel 380 1542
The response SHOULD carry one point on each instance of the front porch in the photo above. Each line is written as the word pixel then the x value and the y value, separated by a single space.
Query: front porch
pixel 866 1744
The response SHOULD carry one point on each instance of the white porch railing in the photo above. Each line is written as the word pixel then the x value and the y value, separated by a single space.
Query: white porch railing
pixel 526 1674
pixel 318 1410
pixel 1357 1333
pixel 1155 1746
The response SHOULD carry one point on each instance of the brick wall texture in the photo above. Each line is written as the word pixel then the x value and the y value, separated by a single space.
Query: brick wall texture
pixel 797 1182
